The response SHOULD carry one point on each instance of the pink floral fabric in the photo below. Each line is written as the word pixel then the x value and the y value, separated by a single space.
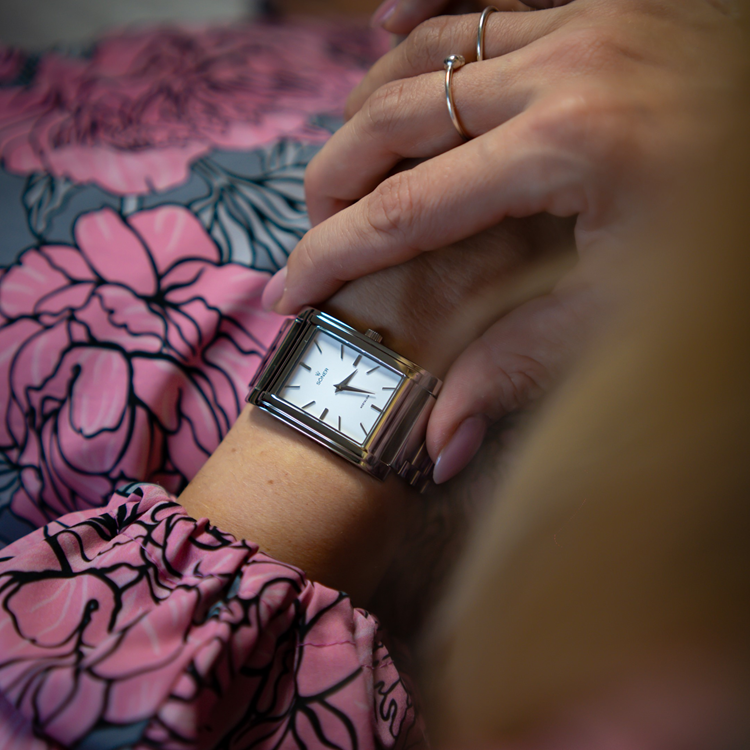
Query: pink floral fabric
pixel 127 357
pixel 138 627
pixel 133 116
pixel 146 190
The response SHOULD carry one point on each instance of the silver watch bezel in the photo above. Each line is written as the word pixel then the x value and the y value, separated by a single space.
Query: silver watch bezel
pixel 406 412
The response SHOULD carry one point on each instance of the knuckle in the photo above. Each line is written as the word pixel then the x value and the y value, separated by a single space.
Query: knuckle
pixel 303 262
pixel 593 48
pixel 515 384
pixel 423 46
pixel 392 207
pixel 384 107
pixel 583 120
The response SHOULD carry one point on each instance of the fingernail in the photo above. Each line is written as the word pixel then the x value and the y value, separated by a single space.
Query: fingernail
pixel 274 290
pixel 461 448
pixel 383 13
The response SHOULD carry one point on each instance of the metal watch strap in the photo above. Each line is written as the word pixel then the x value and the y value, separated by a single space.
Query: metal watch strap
pixel 418 470
pixel 400 443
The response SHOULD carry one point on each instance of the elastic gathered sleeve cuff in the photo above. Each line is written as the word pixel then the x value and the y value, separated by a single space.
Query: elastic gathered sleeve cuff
pixel 137 626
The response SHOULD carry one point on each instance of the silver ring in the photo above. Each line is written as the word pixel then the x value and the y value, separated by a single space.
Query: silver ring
pixel 480 31
pixel 451 63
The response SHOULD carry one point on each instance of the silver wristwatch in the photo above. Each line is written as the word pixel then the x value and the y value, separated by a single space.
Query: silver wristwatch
pixel 348 392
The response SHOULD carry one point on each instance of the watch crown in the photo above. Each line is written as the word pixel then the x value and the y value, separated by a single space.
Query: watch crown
pixel 374 335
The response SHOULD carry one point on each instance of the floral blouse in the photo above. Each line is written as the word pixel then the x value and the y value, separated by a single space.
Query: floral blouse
pixel 148 187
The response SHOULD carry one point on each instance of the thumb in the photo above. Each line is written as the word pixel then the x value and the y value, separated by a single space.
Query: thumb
pixel 513 362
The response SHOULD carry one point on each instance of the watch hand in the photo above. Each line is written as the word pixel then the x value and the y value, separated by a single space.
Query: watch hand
pixel 352 389
pixel 345 382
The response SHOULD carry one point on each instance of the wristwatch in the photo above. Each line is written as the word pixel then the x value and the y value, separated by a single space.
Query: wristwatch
pixel 348 392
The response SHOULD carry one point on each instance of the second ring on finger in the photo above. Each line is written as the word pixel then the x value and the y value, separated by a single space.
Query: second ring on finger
pixel 409 119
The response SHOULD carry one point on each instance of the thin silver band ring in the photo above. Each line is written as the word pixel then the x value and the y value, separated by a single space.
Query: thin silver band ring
pixel 451 63
pixel 480 31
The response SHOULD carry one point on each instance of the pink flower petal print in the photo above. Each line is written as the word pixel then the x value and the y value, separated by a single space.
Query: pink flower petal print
pixel 117 371
pixel 27 283
pixel 71 703
pixel 68 298
pixel 69 261
pixel 127 311
pixel 184 334
pixel 144 452
pixel 122 172
pixel 68 480
pixel 59 604
pixel 230 371
pixel 148 653
pixel 93 409
pixel 173 234
pixel 36 364
pixel 233 289
pixel 146 104
pixel 107 321
pixel 13 337
pixel 127 262
pixel 156 384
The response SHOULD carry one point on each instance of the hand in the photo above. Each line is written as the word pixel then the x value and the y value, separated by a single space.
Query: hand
pixel 351 389
pixel 590 110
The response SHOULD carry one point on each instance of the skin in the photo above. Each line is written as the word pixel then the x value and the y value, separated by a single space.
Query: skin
pixel 408 14
pixel 590 110
pixel 302 504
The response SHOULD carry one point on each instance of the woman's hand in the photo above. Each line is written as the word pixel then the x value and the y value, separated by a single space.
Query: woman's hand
pixel 592 109
pixel 573 101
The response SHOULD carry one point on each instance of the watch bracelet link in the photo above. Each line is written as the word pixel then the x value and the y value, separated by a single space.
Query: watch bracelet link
pixel 418 470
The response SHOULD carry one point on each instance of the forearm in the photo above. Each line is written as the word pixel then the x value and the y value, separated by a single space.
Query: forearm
pixel 298 501
pixel 301 504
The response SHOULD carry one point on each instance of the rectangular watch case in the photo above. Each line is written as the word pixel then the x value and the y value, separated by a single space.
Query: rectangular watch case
pixel 396 441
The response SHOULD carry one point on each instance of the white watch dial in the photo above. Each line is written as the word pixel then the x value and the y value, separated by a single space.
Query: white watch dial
pixel 341 386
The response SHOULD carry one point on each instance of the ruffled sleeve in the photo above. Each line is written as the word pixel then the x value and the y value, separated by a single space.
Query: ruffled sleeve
pixel 137 626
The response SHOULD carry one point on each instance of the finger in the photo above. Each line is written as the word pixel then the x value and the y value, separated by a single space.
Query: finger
pixel 529 165
pixel 427 46
pixel 408 119
pixel 406 15
pixel 510 365
pixel 542 4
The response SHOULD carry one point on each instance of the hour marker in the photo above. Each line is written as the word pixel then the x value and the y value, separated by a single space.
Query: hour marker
pixel 363 428
pixel 323 415
pixel 372 406
pixel 306 405
pixel 318 345
pixel 342 351
pixel 389 387
pixel 356 361
pixel 291 386
pixel 373 369
pixel 307 367
pixel 339 424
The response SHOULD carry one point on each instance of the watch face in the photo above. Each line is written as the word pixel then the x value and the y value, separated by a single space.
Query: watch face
pixel 340 386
